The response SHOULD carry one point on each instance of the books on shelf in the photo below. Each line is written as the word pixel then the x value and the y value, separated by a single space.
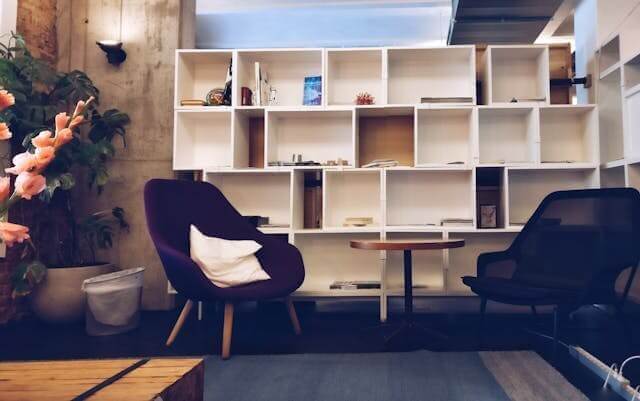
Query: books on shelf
pixel 355 285
pixel 456 222
pixel 357 221
pixel 192 102
pixel 312 199
pixel 262 89
pixel 461 99
pixel 274 225
pixel 381 163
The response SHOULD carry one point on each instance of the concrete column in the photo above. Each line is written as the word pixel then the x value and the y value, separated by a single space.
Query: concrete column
pixel 142 86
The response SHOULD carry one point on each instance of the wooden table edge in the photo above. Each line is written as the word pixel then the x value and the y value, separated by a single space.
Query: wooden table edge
pixel 406 245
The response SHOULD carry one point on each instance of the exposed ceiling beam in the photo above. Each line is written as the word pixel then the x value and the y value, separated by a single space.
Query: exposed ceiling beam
pixel 564 11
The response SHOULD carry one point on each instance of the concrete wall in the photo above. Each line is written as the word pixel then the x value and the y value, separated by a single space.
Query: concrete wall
pixel 142 86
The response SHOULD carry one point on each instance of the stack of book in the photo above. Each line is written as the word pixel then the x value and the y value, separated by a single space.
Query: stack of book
pixel 455 222
pixel 357 221
pixel 313 199
pixel 192 102
pixel 381 163
pixel 355 285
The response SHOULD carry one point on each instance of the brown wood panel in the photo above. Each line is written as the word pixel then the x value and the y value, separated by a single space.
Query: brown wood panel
pixel 403 245
pixel 386 138
pixel 256 142
pixel 173 379
pixel 560 67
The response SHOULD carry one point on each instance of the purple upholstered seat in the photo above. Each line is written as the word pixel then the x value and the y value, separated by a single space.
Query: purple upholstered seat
pixel 173 205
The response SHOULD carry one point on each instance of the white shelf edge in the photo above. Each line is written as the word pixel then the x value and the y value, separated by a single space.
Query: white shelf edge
pixel 614 164
pixel 338 230
pixel 610 70
pixel 632 90
pixel 328 293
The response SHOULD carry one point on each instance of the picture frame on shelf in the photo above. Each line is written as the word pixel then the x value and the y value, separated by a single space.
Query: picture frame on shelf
pixel 488 216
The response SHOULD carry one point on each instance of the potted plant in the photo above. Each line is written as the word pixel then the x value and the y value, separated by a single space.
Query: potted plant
pixel 60 249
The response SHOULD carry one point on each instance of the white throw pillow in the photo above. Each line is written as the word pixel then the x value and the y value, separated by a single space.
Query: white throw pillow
pixel 226 263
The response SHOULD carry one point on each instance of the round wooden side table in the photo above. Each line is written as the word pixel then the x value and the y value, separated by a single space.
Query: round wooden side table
pixel 408 327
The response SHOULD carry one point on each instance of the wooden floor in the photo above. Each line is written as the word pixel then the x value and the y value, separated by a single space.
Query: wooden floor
pixel 172 379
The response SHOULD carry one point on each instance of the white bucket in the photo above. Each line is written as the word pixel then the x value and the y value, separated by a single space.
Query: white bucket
pixel 113 301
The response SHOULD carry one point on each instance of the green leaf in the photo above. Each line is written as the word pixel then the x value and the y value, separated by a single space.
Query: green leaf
pixel 108 125
pixel 73 87
pixel 64 181
pixel 26 276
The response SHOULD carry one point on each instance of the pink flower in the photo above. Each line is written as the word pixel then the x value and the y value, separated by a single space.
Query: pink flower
pixel 63 137
pixel 61 121
pixel 43 140
pixel 28 184
pixel 5 188
pixel 44 156
pixel 80 107
pixel 11 233
pixel 23 162
pixel 6 99
pixel 4 132
pixel 76 121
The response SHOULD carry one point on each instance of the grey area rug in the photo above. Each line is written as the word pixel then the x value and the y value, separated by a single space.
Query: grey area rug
pixel 410 376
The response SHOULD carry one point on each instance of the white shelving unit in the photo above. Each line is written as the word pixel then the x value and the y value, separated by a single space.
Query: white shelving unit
pixel 202 138
pixel 618 98
pixel 508 135
pixel 414 73
pixel 453 157
pixel 446 136
pixel 568 134
pixel 199 71
pixel 516 72
pixel 422 197
pixel 353 71
pixel 285 70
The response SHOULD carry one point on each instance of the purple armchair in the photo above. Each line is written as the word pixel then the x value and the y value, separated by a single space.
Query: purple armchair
pixel 171 207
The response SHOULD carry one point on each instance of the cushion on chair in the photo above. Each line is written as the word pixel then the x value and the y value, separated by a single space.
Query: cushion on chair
pixel 513 292
pixel 226 263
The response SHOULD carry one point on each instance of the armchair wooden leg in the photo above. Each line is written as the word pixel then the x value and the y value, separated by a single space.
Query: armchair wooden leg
pixel 293 316
pixel 181 319
pixel 227 330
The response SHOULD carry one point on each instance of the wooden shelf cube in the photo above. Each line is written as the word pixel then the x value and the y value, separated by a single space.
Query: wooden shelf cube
pixel 445 135
pixel 285 69
pixel 202 139
pixel 352 71
pixel 198 72
pixel 352 193
pixel 414 73
pixel 508 135
pixel 425 197
pixel 527 188
pixel 568 134
pixel 256 192
pixel 320 135
pixel 516 72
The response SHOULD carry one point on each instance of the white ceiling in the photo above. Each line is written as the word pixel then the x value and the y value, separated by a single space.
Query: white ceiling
pixel 218 6
pixel 314 23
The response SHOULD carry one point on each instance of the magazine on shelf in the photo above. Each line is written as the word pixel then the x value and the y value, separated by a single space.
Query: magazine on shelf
pixel 312 91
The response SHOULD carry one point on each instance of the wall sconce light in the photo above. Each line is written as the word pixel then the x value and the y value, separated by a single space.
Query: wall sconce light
pixel 113 49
